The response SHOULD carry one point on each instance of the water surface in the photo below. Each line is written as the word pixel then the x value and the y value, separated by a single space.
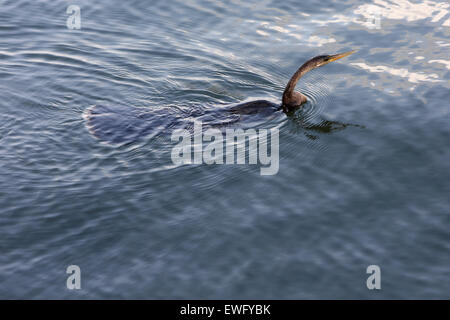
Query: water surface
pixel 372 192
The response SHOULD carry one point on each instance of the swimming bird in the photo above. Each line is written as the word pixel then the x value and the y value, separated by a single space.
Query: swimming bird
pixel 117 124
pixel 291 99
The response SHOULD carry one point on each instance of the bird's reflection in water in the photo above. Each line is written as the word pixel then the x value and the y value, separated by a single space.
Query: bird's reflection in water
pixel 300 122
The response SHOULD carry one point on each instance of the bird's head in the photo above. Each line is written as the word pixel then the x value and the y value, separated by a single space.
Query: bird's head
pixel 326 59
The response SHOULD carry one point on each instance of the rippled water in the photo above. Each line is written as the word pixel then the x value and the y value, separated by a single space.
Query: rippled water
pixel 364 167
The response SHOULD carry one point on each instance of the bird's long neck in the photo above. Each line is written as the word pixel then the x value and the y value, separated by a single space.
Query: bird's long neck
pixel 289 93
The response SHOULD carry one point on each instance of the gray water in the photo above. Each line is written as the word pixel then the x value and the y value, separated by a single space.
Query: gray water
pixel 374 192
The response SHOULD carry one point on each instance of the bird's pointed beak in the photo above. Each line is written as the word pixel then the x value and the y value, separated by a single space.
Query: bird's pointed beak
pixel 335 57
